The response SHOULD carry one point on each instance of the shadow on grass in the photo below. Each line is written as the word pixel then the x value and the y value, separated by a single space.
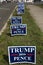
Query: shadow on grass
pixel 5 57
pixel 9 34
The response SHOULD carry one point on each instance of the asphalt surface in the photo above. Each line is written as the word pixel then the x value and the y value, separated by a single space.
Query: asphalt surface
pixel 5 10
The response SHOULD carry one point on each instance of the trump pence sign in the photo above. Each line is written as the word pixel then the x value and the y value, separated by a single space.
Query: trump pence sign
pixel 22 54
pixel 21 8
pixel 20 29
pixel 16 20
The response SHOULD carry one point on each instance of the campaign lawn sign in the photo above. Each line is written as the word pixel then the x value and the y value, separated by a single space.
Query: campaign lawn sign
pixel 16 20
pixel 22 54
pixel 20 29
pixel 21 7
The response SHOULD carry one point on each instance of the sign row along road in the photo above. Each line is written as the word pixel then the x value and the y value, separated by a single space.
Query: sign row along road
pixel 16 27
pixel 20 54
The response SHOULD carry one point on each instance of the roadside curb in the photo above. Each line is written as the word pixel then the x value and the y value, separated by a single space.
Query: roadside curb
pixel 4 27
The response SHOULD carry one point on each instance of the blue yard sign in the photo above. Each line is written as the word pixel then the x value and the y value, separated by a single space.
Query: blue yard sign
pixel 16 20
pixel 20 29
pixel 21 8
pixel 22 54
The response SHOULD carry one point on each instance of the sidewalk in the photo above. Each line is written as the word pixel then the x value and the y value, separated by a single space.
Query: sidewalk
pixel 37 13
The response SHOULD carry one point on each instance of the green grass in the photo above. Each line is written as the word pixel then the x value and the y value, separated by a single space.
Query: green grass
pixel 34 37
pixel 40 5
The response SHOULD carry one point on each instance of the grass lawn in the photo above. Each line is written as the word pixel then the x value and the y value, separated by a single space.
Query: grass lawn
pixel 40 5
pixel 34 37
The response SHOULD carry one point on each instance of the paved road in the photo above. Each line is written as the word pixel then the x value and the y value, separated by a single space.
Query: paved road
pixel 37 14
pixel 5 11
